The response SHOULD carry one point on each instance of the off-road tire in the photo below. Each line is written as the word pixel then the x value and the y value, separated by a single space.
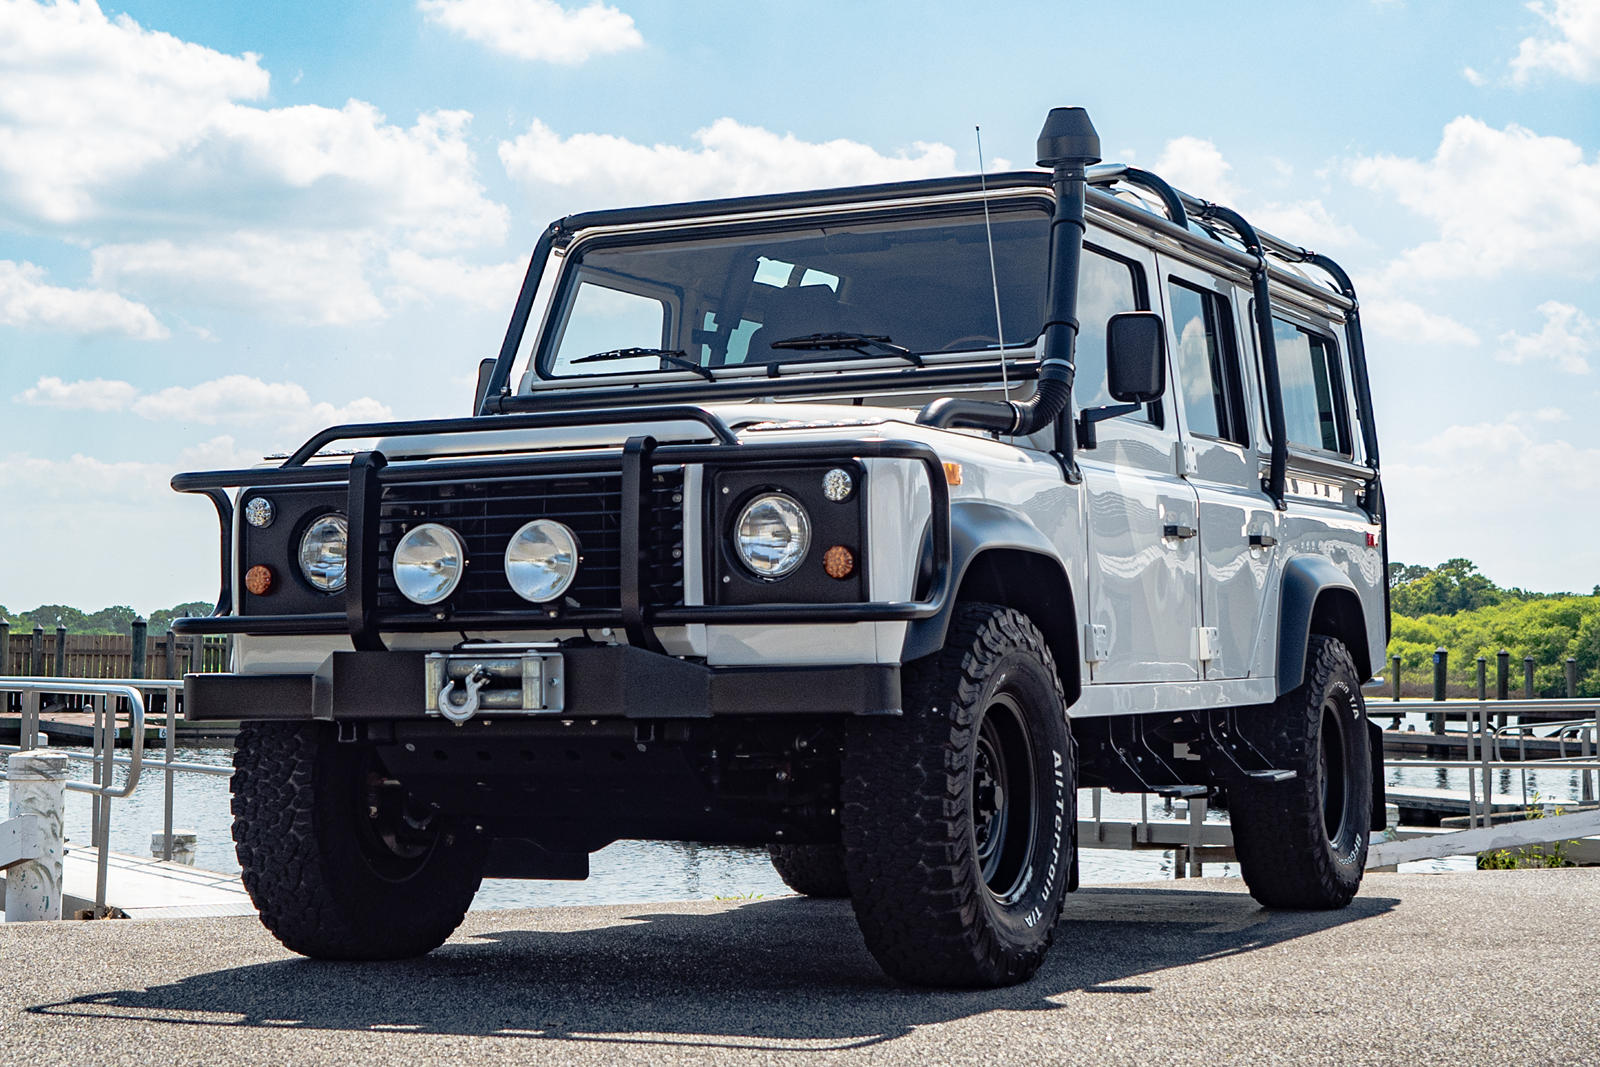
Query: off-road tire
pixel 926 844
pixel 319 877
pixel 811 870
pixel 1288 854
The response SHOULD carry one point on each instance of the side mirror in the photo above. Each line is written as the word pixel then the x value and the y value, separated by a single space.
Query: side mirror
pixel 485 372
pixel 1136 357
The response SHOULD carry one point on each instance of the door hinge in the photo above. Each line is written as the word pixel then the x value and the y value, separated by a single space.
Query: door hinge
pixel 1096 643
pixel 1206 642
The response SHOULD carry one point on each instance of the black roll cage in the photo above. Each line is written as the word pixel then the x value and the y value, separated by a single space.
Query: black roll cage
pixel 1181 209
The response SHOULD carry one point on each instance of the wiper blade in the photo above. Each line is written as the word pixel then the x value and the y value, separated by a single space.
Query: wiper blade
pixel 669 357
pixel 849 342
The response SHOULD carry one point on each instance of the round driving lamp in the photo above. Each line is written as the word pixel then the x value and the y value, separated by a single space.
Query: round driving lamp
pixel 428 563
pixel 772 535
pixel 324 551
pixel 541 560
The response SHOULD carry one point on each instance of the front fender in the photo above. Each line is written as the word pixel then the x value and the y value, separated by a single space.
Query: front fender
pixel 975 527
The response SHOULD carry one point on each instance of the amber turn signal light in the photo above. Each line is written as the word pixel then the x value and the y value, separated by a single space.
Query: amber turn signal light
pixel 838 562
pixel 952 472
pixel 258 579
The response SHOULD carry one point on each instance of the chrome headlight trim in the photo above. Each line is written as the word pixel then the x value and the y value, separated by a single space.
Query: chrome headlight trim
pixel 541 560
pixel 428 563
pixel 324 552
pixel 772 535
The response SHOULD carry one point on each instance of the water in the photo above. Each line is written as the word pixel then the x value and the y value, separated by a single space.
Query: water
pixel 647 871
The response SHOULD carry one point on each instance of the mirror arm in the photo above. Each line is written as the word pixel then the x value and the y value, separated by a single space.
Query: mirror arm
pixel 1090 416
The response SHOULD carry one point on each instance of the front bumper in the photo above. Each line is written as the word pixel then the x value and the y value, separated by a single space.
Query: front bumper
pixel 616 681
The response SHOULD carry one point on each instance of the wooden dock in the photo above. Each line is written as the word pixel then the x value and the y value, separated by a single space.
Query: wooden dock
pixel 148 888
pixel 77 728
pixel 1419 744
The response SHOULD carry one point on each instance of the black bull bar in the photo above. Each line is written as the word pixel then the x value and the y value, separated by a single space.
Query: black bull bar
pixel 369 471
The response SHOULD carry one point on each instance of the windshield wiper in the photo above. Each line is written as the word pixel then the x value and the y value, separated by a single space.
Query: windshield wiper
pixel 851 342
pixel 669 357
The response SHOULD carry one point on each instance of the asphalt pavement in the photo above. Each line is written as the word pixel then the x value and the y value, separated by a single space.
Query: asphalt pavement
pixel 1480 968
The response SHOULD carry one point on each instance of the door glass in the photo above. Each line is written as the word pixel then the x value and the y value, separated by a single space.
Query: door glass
pixel 1207 362
pixel 1105 287
pixel 1313 393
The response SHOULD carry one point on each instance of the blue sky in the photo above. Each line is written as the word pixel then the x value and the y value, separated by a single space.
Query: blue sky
pixel 223 226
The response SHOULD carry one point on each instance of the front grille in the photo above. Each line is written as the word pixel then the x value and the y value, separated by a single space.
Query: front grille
pixel 486 513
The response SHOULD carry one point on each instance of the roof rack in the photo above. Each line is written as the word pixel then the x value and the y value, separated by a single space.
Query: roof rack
pixel 1182 208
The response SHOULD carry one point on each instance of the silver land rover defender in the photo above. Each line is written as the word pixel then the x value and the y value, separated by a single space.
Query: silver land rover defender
pixel 866 524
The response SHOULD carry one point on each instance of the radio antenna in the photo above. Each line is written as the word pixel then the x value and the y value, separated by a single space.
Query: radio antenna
pixel 994 276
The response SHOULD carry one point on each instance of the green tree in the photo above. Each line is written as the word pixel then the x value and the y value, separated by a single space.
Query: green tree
pixel 1455 585
pixel 161 621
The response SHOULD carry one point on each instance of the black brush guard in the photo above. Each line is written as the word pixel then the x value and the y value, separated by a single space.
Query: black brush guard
pixel 368 472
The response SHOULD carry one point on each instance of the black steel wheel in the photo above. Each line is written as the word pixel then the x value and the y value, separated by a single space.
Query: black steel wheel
pixel 1303 843
pixel 959 816
pixel 339 860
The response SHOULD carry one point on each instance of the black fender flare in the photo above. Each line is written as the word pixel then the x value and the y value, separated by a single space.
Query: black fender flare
pixel 1305 579
pixel 975 527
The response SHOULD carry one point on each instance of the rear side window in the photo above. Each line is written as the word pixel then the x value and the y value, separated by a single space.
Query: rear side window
pixel 1313 389
pixel 1208 363
pixel 1106 286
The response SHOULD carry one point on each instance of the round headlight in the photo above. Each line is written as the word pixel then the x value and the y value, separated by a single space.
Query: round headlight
pixel 428 563
pixel 541 560
pixel 324 549
pixel 772 535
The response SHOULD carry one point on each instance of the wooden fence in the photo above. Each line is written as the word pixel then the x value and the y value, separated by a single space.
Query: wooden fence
pixel 55 655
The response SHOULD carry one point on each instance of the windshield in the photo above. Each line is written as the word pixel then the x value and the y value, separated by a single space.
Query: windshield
pixel 922 286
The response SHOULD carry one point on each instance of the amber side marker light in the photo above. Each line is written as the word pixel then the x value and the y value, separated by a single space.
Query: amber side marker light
pixel 952 473
pixel 258 579
pixel 838 562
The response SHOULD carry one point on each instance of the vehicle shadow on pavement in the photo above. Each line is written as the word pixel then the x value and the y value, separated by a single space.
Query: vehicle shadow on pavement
pixel 787 974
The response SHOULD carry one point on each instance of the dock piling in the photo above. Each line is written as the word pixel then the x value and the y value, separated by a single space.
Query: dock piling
pixel 38 781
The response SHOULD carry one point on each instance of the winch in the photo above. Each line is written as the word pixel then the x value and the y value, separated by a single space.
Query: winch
pixel 499 678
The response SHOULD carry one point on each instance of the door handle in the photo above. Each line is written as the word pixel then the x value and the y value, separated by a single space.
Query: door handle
pixel 1262 540
pixel 1182 533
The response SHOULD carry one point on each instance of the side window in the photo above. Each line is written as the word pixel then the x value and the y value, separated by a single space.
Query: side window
pixel 1313 389
pixel 1106 286
pixel 1207 361
pixel 602 319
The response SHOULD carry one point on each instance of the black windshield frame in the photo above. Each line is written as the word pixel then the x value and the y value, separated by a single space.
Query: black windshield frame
pixel 966 213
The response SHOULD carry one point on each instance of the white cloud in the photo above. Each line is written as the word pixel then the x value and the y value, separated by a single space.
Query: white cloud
pixel 46 479
pixel 727 159
pixel 1473 77
pixel 537 29
pixel 1566 339
pixel 283 409
pixel 177 563
pixel 317 279
pixel 423 279
pixel 1404 320
pixel 1492 217
pixel 112 134
pixel 237 398
pixel 1437 501
pixel 1572 52
pixel 1198 167
pixel 26 300
pixel 95 394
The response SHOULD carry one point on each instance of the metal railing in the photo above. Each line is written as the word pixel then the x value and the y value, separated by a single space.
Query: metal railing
pixel 105 698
